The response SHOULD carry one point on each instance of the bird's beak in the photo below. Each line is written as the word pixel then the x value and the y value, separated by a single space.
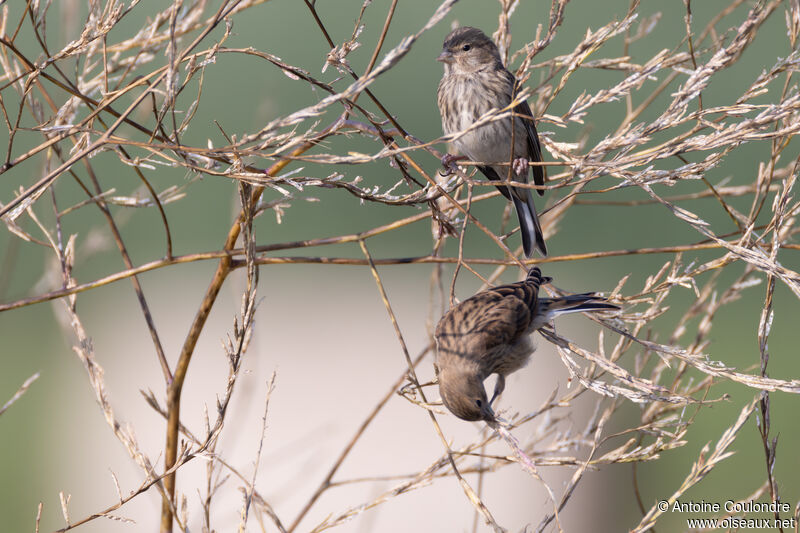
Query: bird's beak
pixel 445 57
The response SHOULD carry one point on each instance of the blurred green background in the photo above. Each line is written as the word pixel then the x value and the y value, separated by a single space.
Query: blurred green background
pixel 242 93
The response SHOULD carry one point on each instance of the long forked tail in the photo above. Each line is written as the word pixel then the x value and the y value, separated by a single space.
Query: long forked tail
pixel 574 303
pixel 529 226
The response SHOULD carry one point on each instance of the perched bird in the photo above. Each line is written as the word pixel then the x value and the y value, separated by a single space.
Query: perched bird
pixel 489 333
pixel 474 82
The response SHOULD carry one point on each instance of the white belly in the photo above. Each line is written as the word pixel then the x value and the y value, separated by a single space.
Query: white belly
pixel 490 142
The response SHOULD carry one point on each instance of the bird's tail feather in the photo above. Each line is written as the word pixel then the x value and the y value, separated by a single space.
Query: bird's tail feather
pixel 575 303
pixel 535 275
pixel 529 226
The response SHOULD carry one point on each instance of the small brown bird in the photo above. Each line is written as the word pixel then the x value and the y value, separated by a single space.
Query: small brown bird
pixel 489 333
pixel 475 82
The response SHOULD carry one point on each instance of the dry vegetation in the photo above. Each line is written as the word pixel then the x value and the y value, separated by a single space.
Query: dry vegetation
pixel 61 117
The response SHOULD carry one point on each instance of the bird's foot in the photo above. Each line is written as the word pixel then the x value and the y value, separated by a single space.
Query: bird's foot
pixel 449 160
pixel 499 387
pixel 520 166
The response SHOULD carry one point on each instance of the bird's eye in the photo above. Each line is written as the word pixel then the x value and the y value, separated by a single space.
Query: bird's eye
pixel 466 47
pixel 479 403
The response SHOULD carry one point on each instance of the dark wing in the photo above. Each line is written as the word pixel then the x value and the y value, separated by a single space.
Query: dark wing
pixel 490 173
pixel 523 113
pixel 494 317
pixel 505 312
pixel 526 290
pixel 500 320
pixel 534 150
pixel 529 227
pixel 480 323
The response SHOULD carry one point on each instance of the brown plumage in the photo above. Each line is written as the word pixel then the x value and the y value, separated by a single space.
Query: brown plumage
pixel 489 333
pixel 475 82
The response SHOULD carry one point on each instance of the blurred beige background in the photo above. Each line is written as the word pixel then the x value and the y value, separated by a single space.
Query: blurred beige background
pixel 333 364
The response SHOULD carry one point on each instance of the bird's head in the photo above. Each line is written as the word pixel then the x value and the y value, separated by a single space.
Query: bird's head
pixel 463 394
pixel 468 50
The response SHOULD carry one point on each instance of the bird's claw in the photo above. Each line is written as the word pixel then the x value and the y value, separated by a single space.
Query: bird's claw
pixel 449 160
pixel 520 166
